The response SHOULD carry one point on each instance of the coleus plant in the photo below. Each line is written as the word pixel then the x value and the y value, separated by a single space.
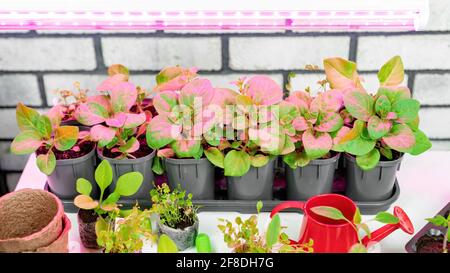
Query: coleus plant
pixel 114 126
pixel 127 185
pixel 251 125
pixel 38 131
pixel 244 236
pixel 174 78
pixel 184 118
pixel 385 122
pixel 356 223
pixel 68 101
pixel 312 124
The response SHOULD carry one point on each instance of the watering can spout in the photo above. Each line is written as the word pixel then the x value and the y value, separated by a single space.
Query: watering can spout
pixel 404 224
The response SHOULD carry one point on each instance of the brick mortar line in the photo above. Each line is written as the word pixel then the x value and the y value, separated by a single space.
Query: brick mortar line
pixel 99 54
pixel 353 50
pixel 43 94
pixel 225 53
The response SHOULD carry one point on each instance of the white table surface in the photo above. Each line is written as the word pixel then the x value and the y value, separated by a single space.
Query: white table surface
pixel 424 190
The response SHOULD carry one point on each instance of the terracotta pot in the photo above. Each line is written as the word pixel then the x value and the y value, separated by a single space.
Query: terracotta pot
pixel 60 245
pixel 30 219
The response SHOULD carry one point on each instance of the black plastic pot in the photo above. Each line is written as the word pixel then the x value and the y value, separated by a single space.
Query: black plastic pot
pixel 123 166
pixel 196 176
pixel 256 184
pixel 374 185
pixel 183 238
pixel 86 228
pixel 62 181
pixel 313 179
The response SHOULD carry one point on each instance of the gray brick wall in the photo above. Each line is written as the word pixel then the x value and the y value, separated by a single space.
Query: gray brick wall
pixel 34 64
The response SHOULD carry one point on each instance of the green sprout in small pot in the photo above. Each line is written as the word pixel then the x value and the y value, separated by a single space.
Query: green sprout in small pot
pixel 184 127
pixel 94 214
pixel 244 236
pixel 43 135
pixel 441 221
pixel 126 235
pixel 177 215
pixel 252 138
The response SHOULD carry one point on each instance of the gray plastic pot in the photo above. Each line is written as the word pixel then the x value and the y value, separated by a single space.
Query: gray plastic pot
pixel 183 238
pixel 62 181
pixel 123 166
pixel 196 176
pixel 313 179
pixel 374 185
pixel 256 184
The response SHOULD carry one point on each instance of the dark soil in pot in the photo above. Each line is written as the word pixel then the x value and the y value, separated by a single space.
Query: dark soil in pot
pixel 430 244
pixel 256 184
pixel 86 228
pixel 196 176
pixel 312 179
pixel 183 237
pixel 142 163
pixel 72 164
pixel 376 184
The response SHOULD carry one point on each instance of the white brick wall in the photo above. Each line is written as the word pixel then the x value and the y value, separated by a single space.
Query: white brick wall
pixel 435 122
pixel 38 54
pixel 157 53
pixel 260 53
pixel 19 87
pixel 417 51
pixel 432 89
pixel 439 15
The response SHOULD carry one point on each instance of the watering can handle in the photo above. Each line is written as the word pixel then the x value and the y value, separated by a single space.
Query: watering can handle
pixel 287 205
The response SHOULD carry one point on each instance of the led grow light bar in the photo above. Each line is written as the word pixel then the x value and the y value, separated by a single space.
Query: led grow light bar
pixel 214 15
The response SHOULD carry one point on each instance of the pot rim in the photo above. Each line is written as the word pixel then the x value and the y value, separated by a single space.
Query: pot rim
pixel 63 162
pixel 186 161
pixel 125 160
pixel 194 226
pixel 389 163
pixel 57 217
pixel 325 161
pixel 67 225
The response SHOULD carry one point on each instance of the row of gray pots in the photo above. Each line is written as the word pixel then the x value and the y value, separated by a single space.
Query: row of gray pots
pixel 197 177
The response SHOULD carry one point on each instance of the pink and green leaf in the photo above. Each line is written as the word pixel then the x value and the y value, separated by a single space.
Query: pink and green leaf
pixel 382 106
pixel 165 101
pixel 118 69
pixel 27 118
pixel 407 110
pixel 359 104
pixel 341 73
pixel 131 146
pixel 123 96
pixel 316 144
pixel 422 143
pixel 66 137
pixel 401 138
pixel 26 142
pixel 331 122
pixel 199 91
pixel 394 93
pixel 174 78
pixel 377 127
pixel 94 111
pixel 161 131
pixel 102 133
pixel 215 156
pixel 392 72
pixel 46 162
pixel 296 159
pixel 369 160
pixel 301 100
pixel 166 153
pixel 112 82
pixel 55 115
pixel 117 120
pixel 44 126
pixel 263 90
pixel 338 137
pixel 186 148
pixel 134 120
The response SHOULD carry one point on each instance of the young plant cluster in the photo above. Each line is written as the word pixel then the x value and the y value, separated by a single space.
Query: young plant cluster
pixel 244 236
pixel 174 207
pixel 441 221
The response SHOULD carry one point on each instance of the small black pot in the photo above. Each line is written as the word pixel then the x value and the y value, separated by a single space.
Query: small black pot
pixel 313 179
pixel 196 176
pixel 62 181
pixel 256 184
pixel 86 228
pixel 183 238
pixel 123 166
pixel 373 185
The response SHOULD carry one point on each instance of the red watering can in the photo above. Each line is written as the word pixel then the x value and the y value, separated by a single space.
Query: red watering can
pixel 337 235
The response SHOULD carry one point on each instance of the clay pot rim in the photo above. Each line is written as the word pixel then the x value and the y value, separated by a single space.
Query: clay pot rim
pixel 57 217
pixel 67 225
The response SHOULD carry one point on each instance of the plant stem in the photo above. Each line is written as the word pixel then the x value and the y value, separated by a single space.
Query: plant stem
pixel 444 245
pixel 355 228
